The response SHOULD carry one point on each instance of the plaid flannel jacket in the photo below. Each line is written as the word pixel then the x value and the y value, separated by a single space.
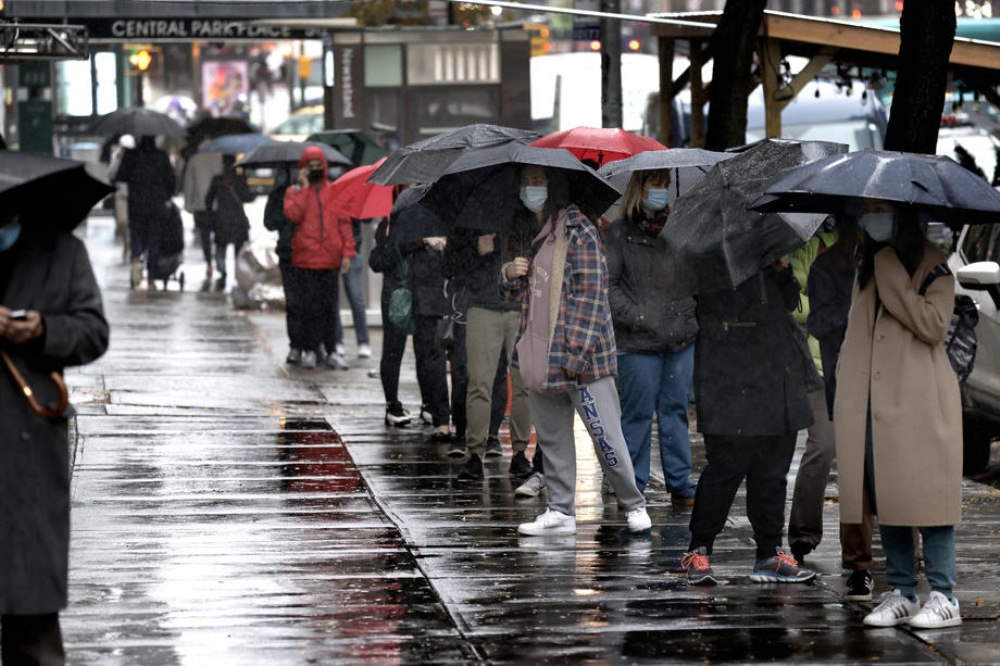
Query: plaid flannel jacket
pixel 584 338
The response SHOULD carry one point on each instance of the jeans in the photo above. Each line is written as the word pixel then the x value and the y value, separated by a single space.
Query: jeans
pixel 356 299
pixel 660 384
pixel 939 557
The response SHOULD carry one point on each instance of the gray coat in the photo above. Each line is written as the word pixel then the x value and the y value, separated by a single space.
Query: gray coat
pixel 55 278
pixel 647 318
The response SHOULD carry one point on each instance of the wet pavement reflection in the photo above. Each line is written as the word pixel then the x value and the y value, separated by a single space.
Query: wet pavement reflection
pixel 231 510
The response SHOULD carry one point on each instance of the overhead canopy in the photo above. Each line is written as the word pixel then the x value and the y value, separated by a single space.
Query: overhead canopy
pixel 975 63
pixel 74 10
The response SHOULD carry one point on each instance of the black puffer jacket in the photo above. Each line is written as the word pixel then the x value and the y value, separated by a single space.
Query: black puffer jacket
pixel 647 318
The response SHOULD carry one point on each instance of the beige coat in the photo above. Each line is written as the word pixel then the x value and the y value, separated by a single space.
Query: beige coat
pixel 898 357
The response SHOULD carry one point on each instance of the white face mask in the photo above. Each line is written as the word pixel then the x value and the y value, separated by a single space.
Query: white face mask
pixel 534 198
pixel 878 226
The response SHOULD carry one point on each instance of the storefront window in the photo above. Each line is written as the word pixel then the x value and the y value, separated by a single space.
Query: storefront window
pixel 383 65
pixel 73 88
pixel 107 82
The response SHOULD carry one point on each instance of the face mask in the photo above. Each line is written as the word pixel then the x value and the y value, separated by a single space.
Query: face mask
pixel 534 198
pixel 878 226
pixel 315 175
pixel 657 199
pixel 9 236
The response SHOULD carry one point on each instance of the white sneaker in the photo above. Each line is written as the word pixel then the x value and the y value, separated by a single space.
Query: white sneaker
pixel 340 349
pixel 337 362
pixel 364 351
pixel 937 613
pixel 550 522
pixel 308 360
pixel 532 486
pixel 894 610
pixel 638 520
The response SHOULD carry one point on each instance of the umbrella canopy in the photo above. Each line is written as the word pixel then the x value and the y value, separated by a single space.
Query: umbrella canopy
pixel 480 188
pixel 236 144
pixel 687 167
pixel 359 198
pixel 411 219
pixel 424 161
pixel 357 146
pixel 47 192
pixel 280 153
pixel 600 145
pixel 138 121
pixel 716 241
pixel 942 188
pixel 211 127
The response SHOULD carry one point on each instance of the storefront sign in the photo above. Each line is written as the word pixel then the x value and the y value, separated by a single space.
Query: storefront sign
pixel 177 29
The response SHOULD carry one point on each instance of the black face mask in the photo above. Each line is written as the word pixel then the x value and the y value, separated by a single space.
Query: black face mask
pixel 315 175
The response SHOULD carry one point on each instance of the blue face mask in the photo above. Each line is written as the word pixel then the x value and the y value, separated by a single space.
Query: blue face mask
pixel 657 199
pixel 534 198
pixel 878 226
pixel 9 236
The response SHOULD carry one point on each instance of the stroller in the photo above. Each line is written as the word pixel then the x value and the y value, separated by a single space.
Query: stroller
pixel 168 265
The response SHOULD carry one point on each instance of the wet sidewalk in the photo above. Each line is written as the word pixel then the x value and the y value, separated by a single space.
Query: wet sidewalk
pixel 231 510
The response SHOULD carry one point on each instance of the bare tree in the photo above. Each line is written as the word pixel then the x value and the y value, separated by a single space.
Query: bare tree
pixel 733 46
pixel 927 32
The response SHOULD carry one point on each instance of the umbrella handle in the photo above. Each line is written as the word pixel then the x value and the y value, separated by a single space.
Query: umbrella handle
pixel 29 394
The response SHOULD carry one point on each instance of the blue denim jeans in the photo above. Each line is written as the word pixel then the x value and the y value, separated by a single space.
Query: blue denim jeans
pixel 660 384
pixel 939 557
pixel 356 299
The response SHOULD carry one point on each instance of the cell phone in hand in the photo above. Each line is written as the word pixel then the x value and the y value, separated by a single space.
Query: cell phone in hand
pixel 19 315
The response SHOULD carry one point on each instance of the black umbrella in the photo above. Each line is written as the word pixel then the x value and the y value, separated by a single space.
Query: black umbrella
pixel 716 241
pixel 939 186
pixel 47 192
pixel 411 219
pixel 211 127
pixel 138 121
pixel 278 153
pixel 236 144
pixel 479 189
pixel 424 161
pixel 687 167
pixel 357 146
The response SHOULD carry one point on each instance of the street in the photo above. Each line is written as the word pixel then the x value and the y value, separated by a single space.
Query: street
pixel 229 509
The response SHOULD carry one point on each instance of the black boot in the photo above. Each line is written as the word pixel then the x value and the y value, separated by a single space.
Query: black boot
pixel 473 470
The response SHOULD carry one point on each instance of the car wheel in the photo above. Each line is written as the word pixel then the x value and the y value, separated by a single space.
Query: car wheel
pixel 978 435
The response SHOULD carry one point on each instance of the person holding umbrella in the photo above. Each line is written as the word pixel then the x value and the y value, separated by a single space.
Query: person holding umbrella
pixel 51 317
pixel 322 243
pixel 226 195
pixel 898 413
pixel 566 350
pixel 655 333
pixel 150 178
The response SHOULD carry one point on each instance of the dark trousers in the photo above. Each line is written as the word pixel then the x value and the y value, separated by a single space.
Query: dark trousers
pixel 290 281
pixel 31 640
pixel 764 463
pixel 432 369
pixel 393 346
pixel 319 298
pixel 203 223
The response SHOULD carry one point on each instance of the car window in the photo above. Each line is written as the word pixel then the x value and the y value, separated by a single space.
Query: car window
pixel 982 243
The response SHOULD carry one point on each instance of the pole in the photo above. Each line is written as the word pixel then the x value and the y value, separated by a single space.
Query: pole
pixel 611 65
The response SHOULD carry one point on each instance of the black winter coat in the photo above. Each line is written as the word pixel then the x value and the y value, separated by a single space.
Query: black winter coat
pixel 478 276
pixel 646 317
pixel 385 259
pixel 753 369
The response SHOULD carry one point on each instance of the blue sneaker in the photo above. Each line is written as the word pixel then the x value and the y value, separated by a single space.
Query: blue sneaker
pixel 780 569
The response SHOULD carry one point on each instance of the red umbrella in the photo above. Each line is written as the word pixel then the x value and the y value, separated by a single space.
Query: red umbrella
pixel 599 144
pixel 356 197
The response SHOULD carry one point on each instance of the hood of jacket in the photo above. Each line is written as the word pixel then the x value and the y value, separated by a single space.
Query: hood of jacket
pixel 314 153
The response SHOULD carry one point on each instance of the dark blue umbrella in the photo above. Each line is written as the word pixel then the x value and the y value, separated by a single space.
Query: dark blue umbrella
pixel 235 144
pixel 937 185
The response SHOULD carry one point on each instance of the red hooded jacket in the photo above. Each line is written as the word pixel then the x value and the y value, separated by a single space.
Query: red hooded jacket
pixel 323 237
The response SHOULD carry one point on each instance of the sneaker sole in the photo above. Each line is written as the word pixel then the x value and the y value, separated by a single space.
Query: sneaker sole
pixel 641 528
pixel 527 493
pixel 771 578
pixel 858 597
pixel 458 454
pixel 494 454
pixel 953 622
pixel 894 622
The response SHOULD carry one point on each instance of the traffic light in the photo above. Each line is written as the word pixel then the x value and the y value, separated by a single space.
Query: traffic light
pixel 143 59
pixel 541 43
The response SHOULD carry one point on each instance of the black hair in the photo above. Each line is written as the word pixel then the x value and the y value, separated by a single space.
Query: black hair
pixel 907 240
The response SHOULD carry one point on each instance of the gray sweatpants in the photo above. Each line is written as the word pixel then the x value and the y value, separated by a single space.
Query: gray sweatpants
pixel 598 407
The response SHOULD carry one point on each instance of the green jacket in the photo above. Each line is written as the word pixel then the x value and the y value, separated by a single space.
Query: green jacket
pixel 802 260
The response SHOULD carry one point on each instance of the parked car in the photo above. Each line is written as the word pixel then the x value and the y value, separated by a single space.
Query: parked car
pixel 302 123
pixel 977 271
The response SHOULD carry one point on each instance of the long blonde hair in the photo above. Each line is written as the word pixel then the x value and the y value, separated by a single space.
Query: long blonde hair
pixel 632 199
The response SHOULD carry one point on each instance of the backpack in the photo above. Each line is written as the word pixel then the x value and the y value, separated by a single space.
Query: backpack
pixel 960 343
